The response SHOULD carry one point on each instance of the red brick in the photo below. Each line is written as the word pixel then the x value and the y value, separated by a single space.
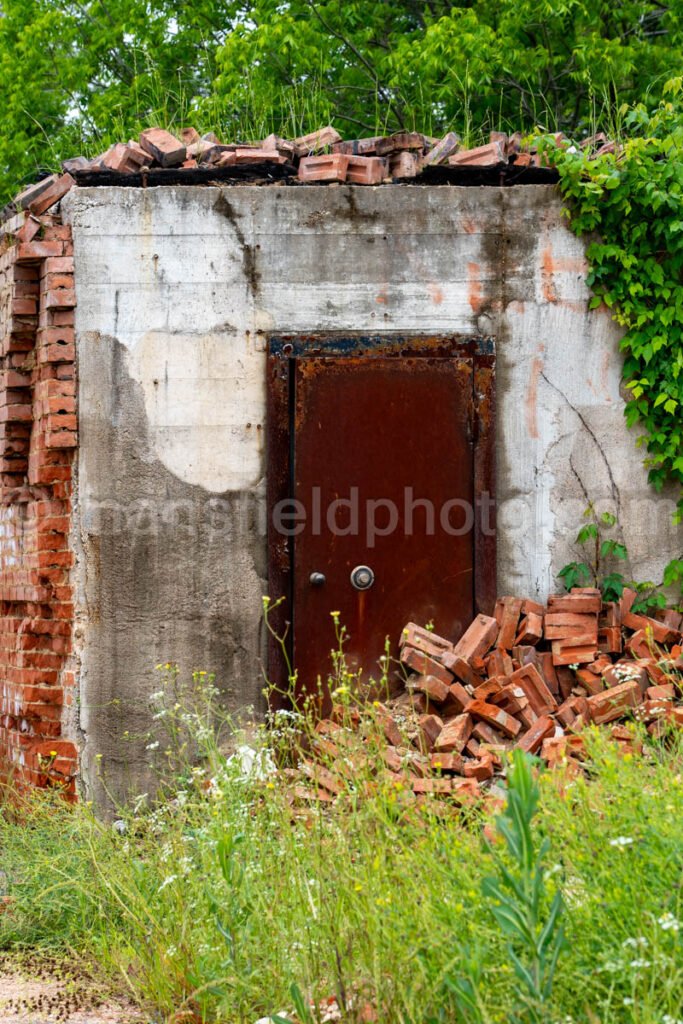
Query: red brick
pixel 531 681
pixel 541 730
pixel 60 298
pixel 33 192
pixel 580 650
pixel 38 250
pixel 442 150
pixel 424 640
pixel 477 639
pixel 59 265
pixel 250 156
pixel 432 687
pixel 424 665
pixel 162 146
pixel 614 703
pixel 507 613
pixel 444 762
pixel 481 769
pixel 491 155
pixel 16 413
pixel 578 601
pixel 59 353
pixel 400 141
pixel 438 786
pixel 454 735
pixel 430 727
pixel 460 668
pixel 324 168
pixel 406 164
pixel 316 141
pixel 530 630
pixel 56 191
pixel 365 170
pixel 495 717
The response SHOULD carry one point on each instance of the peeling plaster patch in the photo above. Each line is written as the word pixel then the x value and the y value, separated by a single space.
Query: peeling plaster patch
pixel 199 436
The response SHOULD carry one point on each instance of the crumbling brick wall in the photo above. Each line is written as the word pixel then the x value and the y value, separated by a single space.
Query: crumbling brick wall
pixel 38 440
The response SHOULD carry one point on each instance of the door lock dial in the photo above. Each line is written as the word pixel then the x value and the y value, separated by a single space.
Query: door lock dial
pixel 362 577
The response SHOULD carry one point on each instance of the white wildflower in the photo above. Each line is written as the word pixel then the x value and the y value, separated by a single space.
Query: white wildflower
pixel 621 841
pixel 153 746
pixel 167 881
pixel 667 922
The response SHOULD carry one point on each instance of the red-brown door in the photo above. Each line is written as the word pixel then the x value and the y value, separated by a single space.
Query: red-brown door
pixel 380 457
pixel 382 483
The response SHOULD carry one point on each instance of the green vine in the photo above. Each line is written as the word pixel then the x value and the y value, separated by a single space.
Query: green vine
pixel 631 201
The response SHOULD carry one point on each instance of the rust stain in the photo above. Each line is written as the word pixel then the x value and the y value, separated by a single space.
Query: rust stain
pixel 381 297
pixel 516 306
pixel 531 411
pixel 436 293
pixel 547 271
pixel 551 265
pixel 474 296
pixel 469 226
pixel 569 265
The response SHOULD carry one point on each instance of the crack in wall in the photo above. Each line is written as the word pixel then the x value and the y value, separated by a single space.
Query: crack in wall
pixel 613 486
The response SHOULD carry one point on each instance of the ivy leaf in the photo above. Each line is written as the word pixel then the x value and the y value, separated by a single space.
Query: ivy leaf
pixel 587 533
pixel 575 574
pixel 613 548
pixel 612 586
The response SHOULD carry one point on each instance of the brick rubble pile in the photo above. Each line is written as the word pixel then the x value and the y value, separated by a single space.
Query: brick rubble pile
pixel 321 156
pixel 530 677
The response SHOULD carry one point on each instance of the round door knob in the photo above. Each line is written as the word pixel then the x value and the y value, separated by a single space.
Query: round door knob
pixel 317 579
pixel 362 577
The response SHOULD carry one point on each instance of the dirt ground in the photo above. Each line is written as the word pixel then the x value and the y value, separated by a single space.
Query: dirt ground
pixel 39 989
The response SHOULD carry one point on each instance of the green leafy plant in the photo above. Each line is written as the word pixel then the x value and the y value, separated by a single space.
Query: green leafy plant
pixel 599 550
pixel 527 916
pixel 630 204
pixel 600 567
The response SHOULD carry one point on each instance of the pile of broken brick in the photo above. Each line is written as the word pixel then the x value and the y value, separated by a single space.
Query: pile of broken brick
pixel 321 156
pixel 530 677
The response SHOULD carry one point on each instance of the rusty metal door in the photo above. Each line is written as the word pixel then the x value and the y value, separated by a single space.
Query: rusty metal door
pixel 377 517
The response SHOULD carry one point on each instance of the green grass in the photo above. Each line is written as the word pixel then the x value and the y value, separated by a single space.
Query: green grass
pixel 219 899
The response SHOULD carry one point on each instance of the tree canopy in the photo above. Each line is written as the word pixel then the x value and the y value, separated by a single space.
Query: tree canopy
pixel 75 76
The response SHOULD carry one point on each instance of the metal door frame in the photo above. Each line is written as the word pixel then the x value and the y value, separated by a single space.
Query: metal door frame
pixel 282 352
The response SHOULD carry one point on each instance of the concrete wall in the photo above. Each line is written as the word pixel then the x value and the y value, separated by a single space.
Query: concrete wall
pixel 176 289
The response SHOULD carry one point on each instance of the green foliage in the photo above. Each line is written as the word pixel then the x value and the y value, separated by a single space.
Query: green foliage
pixel 75 76
pixel 631 205
pixel 600 570
pixel 367 900
pixel 531 923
